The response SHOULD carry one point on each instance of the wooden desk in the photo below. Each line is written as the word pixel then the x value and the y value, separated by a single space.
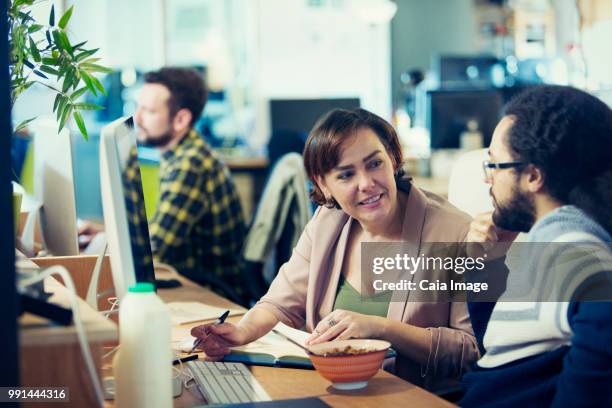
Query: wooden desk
pixel 50 355
pixel 384 390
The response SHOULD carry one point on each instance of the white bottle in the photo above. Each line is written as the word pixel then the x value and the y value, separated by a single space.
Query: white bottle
pixel 143 367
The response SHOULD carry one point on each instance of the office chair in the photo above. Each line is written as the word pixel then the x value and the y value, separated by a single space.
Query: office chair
pixel 467 189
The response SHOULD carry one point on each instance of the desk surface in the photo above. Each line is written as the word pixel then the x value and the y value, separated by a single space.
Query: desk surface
pixel 283 383
pixel 34 330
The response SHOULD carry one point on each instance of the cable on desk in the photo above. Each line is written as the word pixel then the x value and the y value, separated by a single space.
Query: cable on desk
pixel 78 323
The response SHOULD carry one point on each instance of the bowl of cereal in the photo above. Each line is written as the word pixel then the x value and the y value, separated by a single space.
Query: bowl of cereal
pixel 349 364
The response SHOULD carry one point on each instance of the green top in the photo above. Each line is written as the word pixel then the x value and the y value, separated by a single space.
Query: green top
pixel 348 298
pixel 142 287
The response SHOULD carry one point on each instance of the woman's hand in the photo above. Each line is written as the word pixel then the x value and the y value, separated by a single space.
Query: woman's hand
pixel 218 338
pixel 343 324
pixel 485 237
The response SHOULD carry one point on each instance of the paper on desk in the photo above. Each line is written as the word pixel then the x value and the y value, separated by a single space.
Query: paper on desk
pixel 190 312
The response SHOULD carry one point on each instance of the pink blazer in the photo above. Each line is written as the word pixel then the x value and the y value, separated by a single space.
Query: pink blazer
pixel 305 288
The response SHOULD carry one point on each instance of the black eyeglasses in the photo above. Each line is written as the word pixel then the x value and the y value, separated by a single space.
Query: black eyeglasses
pixel 488 166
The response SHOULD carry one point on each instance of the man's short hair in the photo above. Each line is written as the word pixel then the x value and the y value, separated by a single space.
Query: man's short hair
pixel 187 89
pixel 565 132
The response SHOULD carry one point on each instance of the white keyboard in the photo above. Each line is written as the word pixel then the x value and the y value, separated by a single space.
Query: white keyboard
pixel 223 383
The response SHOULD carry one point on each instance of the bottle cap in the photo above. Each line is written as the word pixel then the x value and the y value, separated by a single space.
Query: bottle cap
pixel 142 287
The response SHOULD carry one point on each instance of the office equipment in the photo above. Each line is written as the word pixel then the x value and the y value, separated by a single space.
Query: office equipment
pixel 223 383
pixel 220 320
pixel 468 71
pixel 310 402
pixel 62 346
pixel 185 359
pixel 300 115
pixel 123 204
pixel 447 113
pixel 54 187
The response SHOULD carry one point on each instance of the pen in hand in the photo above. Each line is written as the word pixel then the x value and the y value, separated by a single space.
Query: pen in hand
pixel 220 320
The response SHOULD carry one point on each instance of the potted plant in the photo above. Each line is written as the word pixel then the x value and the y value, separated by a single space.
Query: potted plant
pixel 42 53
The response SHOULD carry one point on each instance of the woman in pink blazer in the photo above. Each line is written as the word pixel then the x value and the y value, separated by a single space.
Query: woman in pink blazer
pixel 354 160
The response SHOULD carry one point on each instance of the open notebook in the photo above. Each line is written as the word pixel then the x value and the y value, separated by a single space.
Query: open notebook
pixel 274 349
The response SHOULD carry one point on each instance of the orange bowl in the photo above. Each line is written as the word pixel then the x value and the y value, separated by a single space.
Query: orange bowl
pixel 349 371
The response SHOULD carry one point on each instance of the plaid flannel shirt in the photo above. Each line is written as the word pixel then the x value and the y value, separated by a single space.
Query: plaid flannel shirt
pixel 198 226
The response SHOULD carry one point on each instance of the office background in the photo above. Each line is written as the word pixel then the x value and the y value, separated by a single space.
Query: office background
pixel 474 53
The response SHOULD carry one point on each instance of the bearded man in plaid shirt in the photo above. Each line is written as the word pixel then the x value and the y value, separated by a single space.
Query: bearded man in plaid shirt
pixel 198 225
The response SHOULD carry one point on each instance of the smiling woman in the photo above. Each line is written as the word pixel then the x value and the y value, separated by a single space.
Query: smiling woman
pixel 354 160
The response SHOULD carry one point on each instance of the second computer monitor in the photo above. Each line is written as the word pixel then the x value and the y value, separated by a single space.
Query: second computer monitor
pixel 449 111
pixel 54 187
pixel 300 115
pixel 125 218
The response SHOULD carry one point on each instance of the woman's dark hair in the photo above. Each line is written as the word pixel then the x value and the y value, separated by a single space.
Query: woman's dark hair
pixel 567 134
pixel 324 144
pixel 187 89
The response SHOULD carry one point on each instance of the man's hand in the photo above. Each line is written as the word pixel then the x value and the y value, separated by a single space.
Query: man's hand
pixel 484 237
pixel 87 232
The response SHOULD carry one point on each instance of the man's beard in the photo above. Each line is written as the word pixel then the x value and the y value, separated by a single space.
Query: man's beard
pixel 160 141
pixel 517 215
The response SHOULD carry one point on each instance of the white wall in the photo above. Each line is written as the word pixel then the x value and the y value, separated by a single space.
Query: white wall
pixel 305 51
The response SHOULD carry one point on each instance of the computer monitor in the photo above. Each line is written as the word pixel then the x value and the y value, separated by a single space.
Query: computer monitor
pixel 54 187
pixel 125 218
pixel 448 112
pixel 466 71
pixel 300 115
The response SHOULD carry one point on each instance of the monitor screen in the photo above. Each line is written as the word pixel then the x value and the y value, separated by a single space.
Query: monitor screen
pixel 300 115
pixel 54 187
pixel 125 216
pixel 448 113
pixel 457 71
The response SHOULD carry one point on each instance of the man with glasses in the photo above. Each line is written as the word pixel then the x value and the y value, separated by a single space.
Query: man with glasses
pixel 550 172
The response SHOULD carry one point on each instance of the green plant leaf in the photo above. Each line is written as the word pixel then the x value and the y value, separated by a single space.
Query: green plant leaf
pixel 79 45
pixel 52 16
pixel 56 101
pixel 40 74
pixel 57 41
pixel 81 124
pixel 82 55
pixel 28 64
pixel 34 50
pixel 96 68
pixel 69 79
pixel 77 94
pixel 98 85
pixel 66 43
pixel 49 41
pixel 88 82
pixel 49 61
pixel 23 124
pixel 65 18
pixel 87 106
pixel 34 28
pixel 60 107
pixel 25 16
pixel 65 115
pixel 91 60
pixel 49 70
